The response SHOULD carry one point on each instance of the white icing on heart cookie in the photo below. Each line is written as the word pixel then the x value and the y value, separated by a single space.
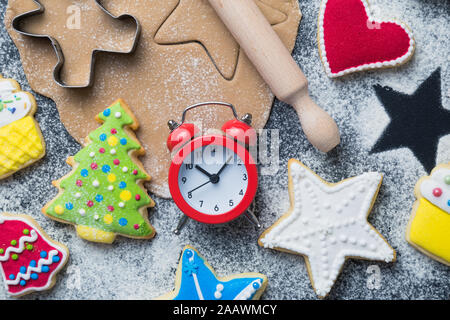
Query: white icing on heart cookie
pixel 436 189
pixel 14 104
pixel 328 223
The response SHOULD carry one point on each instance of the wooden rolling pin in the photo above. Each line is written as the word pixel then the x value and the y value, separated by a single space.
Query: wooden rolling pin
pixel 274 62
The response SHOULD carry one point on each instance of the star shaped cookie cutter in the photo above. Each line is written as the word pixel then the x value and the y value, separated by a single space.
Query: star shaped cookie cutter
pixel 16 25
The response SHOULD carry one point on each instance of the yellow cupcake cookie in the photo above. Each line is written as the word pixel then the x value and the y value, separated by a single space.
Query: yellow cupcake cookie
pixel 21 141
pixel 429 226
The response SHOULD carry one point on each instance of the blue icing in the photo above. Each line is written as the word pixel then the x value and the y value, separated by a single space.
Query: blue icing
pixel 208 283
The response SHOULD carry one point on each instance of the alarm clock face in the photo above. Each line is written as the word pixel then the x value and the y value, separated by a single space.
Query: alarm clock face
pixel 215 182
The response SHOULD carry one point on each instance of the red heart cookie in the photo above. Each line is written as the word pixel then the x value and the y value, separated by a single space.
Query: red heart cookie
pixel 350 40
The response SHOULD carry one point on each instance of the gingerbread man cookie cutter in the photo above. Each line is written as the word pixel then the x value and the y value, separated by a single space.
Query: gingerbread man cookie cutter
pixel 16 25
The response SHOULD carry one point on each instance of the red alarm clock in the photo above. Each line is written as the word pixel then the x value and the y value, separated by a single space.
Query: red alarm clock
pixel 213 178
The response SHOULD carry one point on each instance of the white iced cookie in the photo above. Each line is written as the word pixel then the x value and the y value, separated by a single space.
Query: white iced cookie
pixel 327 223
pixel 14 104
pixel 21 141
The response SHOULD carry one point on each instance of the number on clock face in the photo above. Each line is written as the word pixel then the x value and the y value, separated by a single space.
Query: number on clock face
pixel 213 179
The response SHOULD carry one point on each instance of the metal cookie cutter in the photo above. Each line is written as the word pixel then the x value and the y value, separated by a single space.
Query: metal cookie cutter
pixel 16 25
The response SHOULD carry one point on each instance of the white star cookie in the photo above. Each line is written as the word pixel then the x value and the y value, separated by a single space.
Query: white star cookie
pixel 327 223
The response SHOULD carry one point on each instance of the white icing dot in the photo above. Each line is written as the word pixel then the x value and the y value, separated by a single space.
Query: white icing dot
pixel 352 240
pixel 110 188
pixel 124 169
pixel 118 115
pixel 343 238
pixel 77 195
pixel 92 154
pixel 113 151
pixel 372 247
pixel 121 204
pixel 82 212
pixel 96 217
pixel 96 183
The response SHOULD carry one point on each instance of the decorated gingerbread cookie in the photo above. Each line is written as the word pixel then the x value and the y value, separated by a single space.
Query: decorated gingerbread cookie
pixel 196 280
pixel 429 226
pixel 21 141
pixel 350 40
pixel 29 259
pixel 104 195
pixel 327 223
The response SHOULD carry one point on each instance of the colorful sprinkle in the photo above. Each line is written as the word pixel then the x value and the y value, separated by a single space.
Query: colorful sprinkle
pixel 96 217
pixel 30 247
pixel 69 206
pixel 110 188
pixel 43 254
pixel 138 197
pixel 116 162
pixel 110 208
pixel 92 154
pixel 108 219
pixel 79 183
pixel 121 204
pixel 106 168
pixel 118 115
pixel 113 131
pixel 112 141
pixel 102 150
pixel 447 180
pixel 113 151
pixel 96 183
pixel 135 172
pixel 14 257
pixel 107 112
pixel 94 166
pixel 125 169
pixel 56 259
pixel 123 222
pixel 26 231
pixel 99 198
pixel 437 192
pixel 2 251
pixel 122 185
pixel 33 263
pixel 123 141
pixel 82 212
pixel 13 242
pixel 90 203
pixel 84 173
pixel 103 137
pixel 136 226
pixel 59 209
pixel 77 195
pixel 22 283
pixel 125 195
pixel 111 177
pixel 45 269
pixel 34 276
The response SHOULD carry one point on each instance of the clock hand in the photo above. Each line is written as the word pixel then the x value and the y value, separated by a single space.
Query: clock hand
pixel 209 175
pixel 224 166
pixel 200 186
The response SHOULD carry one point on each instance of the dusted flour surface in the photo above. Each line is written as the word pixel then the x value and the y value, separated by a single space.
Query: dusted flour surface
pixel 146 269
pixel 177 63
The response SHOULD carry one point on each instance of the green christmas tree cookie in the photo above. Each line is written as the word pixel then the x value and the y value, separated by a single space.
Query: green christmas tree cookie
pixel 103 195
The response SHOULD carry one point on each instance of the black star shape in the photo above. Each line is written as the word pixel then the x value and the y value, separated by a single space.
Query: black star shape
pixel 418 121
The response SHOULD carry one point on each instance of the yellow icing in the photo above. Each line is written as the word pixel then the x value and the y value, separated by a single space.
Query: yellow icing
pixel 20 144
pixel 112 141
pixel 95 235
pixel 430 230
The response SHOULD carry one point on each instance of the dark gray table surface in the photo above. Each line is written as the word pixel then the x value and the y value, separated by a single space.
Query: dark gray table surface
pixel 133 269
